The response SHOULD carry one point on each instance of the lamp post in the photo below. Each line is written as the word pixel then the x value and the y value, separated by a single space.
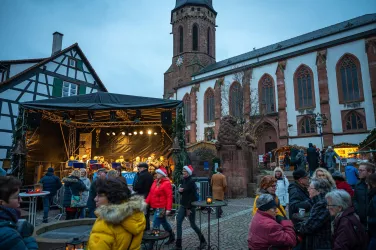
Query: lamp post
pixel 320 120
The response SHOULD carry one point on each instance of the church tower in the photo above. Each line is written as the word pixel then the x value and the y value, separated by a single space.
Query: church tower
pixel 193 30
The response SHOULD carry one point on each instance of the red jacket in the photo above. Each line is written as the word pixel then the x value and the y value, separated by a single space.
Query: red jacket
pixel 345 186
pixel 160 197
pixel 265 232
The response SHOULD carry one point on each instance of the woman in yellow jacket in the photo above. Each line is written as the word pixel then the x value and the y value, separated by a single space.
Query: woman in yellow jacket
pixel 268 185
pixel 121 220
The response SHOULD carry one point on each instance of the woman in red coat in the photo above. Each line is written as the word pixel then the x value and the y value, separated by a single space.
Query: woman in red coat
pixel 341 183
pixel 160 199
pixel 265 232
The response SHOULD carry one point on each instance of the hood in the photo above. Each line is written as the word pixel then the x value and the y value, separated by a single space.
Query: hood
pixel 310 145
pixel 279 169
pixel 70 179
pixel 116 213
pixel 9 214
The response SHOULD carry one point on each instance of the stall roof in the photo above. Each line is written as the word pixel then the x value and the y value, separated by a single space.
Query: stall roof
pixel 101 101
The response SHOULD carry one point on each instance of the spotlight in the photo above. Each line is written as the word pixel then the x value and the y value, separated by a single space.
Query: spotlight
pixel 123 133
pixel 113 133
pixel 129 133
pixel 149 132
pixel 107 133
pixel 141 132
pixel 155 133
pixel 135 132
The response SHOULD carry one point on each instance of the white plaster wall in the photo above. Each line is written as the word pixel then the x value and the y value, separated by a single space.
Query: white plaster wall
pixel 15 109
pixel 26 97
pixel 291 66
pixel 5 108
pixel 357 48
pixel 5 123
pixel 17 68
pixel 305 141
pixel 51 66
pixel 22 85
pixel 293 49
pixel 201 125
pixel 10 94
pixel 6 139
pixel 354 138
pixel 89 78
pixel 42 89
pixel 258 72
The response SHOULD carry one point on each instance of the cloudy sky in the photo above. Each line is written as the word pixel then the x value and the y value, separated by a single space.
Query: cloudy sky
pixel 128 42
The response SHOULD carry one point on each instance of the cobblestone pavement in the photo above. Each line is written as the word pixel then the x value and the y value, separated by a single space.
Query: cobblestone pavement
pixel 233 226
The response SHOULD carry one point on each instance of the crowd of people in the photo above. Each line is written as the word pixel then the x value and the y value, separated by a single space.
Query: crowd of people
pixel 324 211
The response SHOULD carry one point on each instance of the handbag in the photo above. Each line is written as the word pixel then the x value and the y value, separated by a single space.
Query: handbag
pixel 76 200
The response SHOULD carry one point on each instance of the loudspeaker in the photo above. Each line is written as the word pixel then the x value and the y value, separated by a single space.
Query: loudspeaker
pixel 33 119
pixel 166 118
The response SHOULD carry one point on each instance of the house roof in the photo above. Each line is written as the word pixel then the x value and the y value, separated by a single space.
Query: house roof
pixel 314 35
pixel 206 3
pixel 48 59
pixel 101 101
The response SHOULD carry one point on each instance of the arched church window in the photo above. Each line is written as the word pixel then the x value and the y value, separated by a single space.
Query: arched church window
pixel 266 92
pixel 304 88
pixel 236 100
pixel 307 126
pixel 208 42
pixel 181 39
pixel 195 37
pixel 209 105
pixel 187 108
pixel 349 79
pixel 354 121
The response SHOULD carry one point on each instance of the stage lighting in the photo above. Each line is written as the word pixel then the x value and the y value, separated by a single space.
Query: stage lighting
pixel 129 133
pixel 141 132
pixel 155 133
pixel 135 132
pixel 149 132
pixel 123 133
pixel 107 133
pixel 113 133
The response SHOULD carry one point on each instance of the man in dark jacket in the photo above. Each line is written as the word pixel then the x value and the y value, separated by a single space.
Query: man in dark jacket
pixel 360 197
pixel 15 234
pixel 101 173
pixel 51 183
pixel 188 195
pixel 312 158
pixel 142 185
pixel 298 193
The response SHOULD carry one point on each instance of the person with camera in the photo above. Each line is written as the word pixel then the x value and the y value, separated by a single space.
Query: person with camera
pixel 15 233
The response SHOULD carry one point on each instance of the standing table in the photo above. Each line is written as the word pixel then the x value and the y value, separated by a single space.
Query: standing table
pixel 208 211
pixel 33 204
pixel 149 238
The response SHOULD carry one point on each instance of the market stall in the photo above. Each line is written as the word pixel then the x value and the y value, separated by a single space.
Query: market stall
pixel 98 130
pixel 291 150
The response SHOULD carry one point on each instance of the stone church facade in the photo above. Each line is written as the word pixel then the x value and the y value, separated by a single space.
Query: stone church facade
pixel 331 71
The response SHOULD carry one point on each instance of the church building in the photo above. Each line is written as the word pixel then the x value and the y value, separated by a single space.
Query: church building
pixel 319 87
pixel 66 72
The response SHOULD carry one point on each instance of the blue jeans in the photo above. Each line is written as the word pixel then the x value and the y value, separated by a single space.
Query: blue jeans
pixel 47 201
pixel 82 212
pixel 158 221
pixel 372 244
pixel 287 167
pixel 91 212
pixel 192 221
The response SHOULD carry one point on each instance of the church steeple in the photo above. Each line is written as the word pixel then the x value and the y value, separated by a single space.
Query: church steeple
pixel 193 29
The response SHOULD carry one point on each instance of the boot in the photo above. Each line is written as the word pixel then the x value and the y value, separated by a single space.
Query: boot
pixel 203 243
pixel 171 239
pixel 177 245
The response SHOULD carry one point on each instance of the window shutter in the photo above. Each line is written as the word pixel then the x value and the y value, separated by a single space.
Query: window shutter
pixel 57 89
pixel 82 90
pixel 79 65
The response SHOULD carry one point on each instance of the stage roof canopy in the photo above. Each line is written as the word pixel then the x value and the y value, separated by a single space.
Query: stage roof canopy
pixel 102 101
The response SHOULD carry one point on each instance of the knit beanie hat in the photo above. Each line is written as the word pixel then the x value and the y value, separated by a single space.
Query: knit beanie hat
pixel 161 171
pixel 265 202
pixel 267 181
pixel 50 170
pixel 189 169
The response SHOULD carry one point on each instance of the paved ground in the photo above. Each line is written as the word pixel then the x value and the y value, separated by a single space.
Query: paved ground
pixel 233 226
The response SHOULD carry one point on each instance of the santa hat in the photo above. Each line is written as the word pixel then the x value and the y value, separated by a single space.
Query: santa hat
pixel 189 169
pixel 161 171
